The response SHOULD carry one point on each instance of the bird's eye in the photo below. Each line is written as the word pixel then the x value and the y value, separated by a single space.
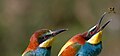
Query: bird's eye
pixel 92 29
pixel 41 39
pixel 91 32
pixel 47 35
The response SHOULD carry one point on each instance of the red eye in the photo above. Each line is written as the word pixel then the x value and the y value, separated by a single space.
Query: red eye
pixel 91 33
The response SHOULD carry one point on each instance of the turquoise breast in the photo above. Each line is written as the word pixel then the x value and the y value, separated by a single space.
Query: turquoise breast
pixel 90 50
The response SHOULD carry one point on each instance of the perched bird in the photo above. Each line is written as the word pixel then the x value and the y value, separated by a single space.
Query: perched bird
pixel 72 46
pixel 40 42
pixel 93 46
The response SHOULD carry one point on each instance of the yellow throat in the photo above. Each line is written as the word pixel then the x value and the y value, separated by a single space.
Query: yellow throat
pixel 47 43
pixel 95 39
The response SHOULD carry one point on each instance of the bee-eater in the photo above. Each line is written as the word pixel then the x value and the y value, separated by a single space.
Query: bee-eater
pixel 40 42
pixel 93 46
pixel 72 46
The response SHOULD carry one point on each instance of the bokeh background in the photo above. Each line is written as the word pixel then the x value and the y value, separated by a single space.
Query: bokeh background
pixel 20 18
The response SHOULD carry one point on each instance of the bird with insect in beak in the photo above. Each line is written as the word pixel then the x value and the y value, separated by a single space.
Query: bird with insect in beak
pixel 40 42
pixel 80 43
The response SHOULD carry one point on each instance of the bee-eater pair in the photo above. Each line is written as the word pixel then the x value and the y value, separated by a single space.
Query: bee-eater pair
pixel 87 44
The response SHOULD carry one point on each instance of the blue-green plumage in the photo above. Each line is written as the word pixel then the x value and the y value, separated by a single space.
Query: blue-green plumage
pixel 93 46
pixel 39 52
pixel 90 50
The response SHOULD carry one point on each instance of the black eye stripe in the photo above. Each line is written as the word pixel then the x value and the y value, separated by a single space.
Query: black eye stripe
pixel 91 32
pixel 44 37
pixel 40 40
pixel 93 29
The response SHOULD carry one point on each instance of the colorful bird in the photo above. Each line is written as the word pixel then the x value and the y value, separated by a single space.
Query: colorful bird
pixel 40 42
pixel 93 46
pixel 72 46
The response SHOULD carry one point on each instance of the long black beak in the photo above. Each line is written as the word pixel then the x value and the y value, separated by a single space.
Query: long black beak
pixel 54 33
pixel 95 29
pixel 99 23
pixel 100 20
pixel 50 34
pixel 102 27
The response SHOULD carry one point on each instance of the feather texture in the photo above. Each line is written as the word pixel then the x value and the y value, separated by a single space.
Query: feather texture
pixel 90 50
pixel 39 52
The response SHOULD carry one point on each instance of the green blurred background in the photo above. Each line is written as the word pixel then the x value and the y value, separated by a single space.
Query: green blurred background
pixel 20 18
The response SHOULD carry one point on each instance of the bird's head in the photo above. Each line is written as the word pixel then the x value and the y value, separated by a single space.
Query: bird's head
pixel 95 33
pixel 44 37
pixel 87 35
